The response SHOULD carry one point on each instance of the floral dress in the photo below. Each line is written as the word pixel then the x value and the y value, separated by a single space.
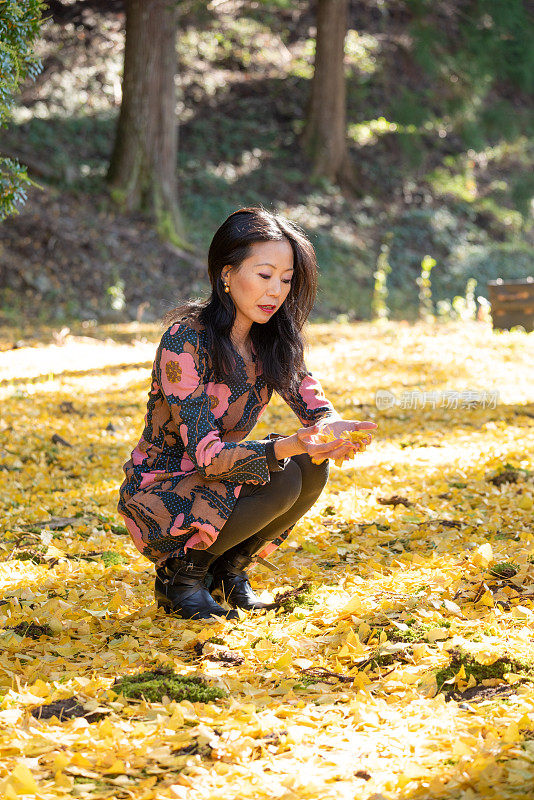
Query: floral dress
pixel 185 474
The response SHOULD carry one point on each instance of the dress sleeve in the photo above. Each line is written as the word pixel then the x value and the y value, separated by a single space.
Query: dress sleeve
pixel 309 403
pixel 275 464
pixel 181 372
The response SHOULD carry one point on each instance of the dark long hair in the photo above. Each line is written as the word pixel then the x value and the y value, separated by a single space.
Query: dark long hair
pixel 278 343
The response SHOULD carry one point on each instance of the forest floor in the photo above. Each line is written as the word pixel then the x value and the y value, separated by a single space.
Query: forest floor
pixel 444 165
pixel 400 668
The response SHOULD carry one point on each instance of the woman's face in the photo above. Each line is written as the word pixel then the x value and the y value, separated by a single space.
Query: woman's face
pixel 263 279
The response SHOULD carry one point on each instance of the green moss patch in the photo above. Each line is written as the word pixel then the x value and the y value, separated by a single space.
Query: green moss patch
pixel 305 682
pixel 34 554
pixel 302 596
pixel 156 684
pixel 417 631
pixel 33 630
pixel 506 569
pixel 480 672
pixel 109 557
pixel 507 473
pixel 387 655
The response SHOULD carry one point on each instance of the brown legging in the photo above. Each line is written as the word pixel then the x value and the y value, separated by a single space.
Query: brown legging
pixel 271 508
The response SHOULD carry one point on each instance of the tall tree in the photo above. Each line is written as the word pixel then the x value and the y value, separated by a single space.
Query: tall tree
pixel 324 135
pixel 142 172
pixel 19 28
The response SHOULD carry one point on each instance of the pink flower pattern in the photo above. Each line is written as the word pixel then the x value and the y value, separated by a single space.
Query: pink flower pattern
pixel 176 529
pixel 186 465
pixel 204 537
pixel 179 376
pixel 207 449
pixel 219 395
pixel 312 393
pixel 135 532
pixel 139 454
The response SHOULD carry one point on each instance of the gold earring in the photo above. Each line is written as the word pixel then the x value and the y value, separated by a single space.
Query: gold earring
pixel 226 287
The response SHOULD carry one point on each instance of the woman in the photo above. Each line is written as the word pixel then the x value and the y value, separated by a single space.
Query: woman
pixel 198 499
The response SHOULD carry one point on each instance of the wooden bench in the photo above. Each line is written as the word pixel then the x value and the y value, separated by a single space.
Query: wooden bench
pixel 512 303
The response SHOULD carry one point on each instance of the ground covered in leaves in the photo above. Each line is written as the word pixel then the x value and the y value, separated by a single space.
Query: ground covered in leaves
pixel 399 661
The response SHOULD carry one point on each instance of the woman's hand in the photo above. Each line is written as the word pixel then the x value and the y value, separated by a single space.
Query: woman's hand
pixel 340 426
pixel 317 450
pixel 338 448
pixel 343 428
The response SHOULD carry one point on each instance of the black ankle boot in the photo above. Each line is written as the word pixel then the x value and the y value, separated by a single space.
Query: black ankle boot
pixel 230 579
pixel 180 587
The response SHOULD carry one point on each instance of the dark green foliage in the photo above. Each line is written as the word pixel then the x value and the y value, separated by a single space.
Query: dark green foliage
pixel 155 684
pixel 482 39
pixel 443 77
pixel 522 191
pixel 484 263
pixel 19 28
pixel 13 183
pixel 452 240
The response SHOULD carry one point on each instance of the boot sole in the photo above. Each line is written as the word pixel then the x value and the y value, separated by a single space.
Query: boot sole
pixel 218 593
pixel 169 609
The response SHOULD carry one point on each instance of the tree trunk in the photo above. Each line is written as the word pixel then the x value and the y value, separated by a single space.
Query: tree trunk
pixel 142 170
pixel 324 135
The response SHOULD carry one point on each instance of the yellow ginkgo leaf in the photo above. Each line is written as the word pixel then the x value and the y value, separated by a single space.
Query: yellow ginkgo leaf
pixel 23 780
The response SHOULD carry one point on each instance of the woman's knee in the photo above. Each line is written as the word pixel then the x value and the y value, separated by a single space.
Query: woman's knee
pixel 314 476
